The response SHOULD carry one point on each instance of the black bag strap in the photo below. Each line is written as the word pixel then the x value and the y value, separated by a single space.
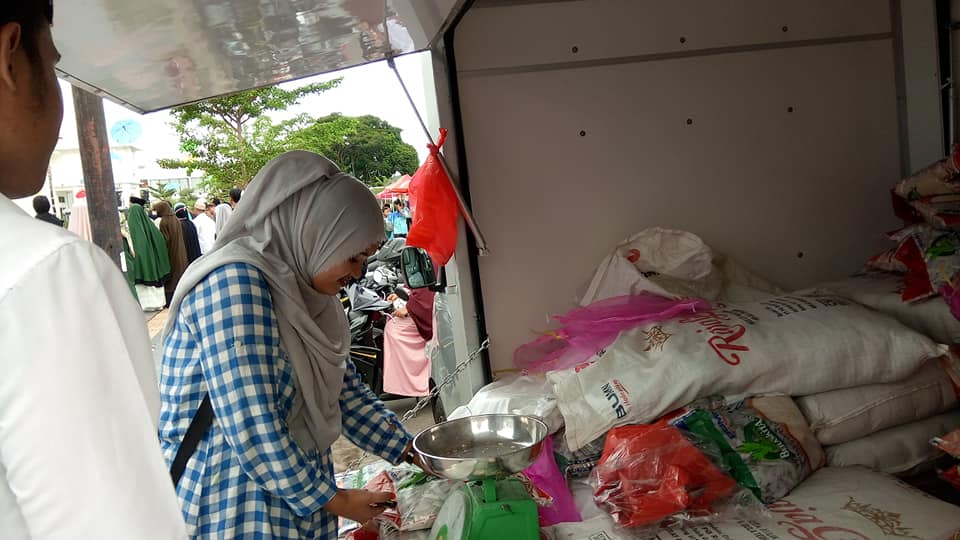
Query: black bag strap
pixel 198 428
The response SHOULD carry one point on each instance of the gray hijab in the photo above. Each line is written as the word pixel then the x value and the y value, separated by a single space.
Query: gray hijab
pixel 299 216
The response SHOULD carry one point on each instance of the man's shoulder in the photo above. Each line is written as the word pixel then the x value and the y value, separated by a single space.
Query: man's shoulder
pixel 27 242
pixel 51 219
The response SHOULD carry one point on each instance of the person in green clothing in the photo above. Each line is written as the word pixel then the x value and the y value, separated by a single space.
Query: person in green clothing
pixel 151 264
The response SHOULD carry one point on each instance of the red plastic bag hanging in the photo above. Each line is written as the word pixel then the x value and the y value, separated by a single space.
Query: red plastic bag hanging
pixel 435 209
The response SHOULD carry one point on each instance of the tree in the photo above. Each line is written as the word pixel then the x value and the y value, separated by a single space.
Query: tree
pixel 188 196
pixel 366 146
pixel 163 192
pixel 230 138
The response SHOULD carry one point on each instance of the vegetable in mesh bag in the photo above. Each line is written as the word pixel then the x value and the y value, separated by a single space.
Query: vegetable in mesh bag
pixel 652 475
pixel 769 454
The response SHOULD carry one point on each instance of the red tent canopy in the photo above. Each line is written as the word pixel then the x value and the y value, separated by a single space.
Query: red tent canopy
pixel 402 185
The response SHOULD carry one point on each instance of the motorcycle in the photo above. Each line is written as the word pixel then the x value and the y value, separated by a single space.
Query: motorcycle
pixel 367 308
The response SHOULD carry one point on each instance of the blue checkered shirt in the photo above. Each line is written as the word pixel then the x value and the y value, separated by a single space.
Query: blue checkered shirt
pixel 248 477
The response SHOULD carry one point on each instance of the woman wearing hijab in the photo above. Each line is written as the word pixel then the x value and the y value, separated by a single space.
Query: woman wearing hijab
pixel 176 248
pixel 190 239
pixel 221 216
pixel 255 328
pixel 151 263
pixel 79 221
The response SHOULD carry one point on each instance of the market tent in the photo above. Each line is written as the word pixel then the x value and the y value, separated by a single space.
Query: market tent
pixel 402 185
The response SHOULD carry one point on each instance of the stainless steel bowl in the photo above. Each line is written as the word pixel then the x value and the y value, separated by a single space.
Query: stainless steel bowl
pixel 482 446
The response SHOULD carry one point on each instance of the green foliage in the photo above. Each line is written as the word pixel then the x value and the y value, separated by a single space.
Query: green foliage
pixel 188 196
pixel 163 192
pixel 366 146
pixel 230 138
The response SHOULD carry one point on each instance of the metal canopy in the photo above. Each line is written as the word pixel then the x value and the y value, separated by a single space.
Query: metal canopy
pixel 149 55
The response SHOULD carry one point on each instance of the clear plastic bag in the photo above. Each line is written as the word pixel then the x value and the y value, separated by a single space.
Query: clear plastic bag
pixel 652 476
pixel 764 443
pixel 578 463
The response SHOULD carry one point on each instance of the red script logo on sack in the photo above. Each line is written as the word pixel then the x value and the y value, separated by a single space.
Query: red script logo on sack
pixel 807 526
pixel 724 336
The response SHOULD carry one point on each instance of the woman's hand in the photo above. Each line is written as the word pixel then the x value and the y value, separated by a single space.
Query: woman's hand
pixel 358 504
pixel 414 458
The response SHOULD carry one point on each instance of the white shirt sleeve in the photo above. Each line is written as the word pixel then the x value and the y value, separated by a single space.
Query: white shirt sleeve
pixel 79 405
pixel 206 232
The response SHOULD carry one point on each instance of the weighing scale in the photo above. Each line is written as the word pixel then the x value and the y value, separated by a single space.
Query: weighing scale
pixel 483 451
pixel 488 510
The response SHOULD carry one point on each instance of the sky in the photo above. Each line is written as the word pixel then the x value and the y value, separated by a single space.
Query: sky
pixel 369 89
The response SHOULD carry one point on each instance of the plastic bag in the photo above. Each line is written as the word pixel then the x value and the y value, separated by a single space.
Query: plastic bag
pixel 656 251
pixel 931 195
pixel 916 281
pixel 652 475
pixel 435 208
pixel 939 178
pixel 949 443
pixel 587 330
pixel 362 534
pixel 419 500
pixel 578 463
pixel 887 262
pixel 419 497
pixel 764 443
pixel 545 474
pixel 531 395
pixel 673 264
pixel 389 531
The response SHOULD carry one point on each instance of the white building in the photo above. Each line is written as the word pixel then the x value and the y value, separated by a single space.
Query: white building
pixel 134 169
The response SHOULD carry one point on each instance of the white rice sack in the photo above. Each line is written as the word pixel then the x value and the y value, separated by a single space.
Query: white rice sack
pixel 900 450
pixel 835 503
pixel 674 264
pixel 844 415
pixel 793 345
pixel 531 395
pixel 881 291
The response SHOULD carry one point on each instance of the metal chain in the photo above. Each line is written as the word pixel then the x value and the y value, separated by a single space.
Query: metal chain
pixel 461 367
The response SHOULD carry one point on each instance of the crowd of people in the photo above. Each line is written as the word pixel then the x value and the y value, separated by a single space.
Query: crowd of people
pixel 155 257
pixel 396 219
pixel 233 440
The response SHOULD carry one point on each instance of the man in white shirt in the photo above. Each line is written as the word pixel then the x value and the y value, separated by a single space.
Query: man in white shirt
pixel 79 403
pixel 206 226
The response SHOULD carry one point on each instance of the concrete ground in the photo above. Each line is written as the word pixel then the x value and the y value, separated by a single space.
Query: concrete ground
pixel 344 452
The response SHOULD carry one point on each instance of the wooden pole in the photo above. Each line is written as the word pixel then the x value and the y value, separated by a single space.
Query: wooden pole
pixel 98 172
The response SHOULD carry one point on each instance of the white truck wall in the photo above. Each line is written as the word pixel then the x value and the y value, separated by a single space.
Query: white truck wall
pixel 768 127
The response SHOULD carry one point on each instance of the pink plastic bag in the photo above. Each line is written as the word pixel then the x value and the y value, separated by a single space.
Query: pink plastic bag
pixel 586 330
pixel 546 476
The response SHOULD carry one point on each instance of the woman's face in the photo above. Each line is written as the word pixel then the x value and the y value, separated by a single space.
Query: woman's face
pixel 337 277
